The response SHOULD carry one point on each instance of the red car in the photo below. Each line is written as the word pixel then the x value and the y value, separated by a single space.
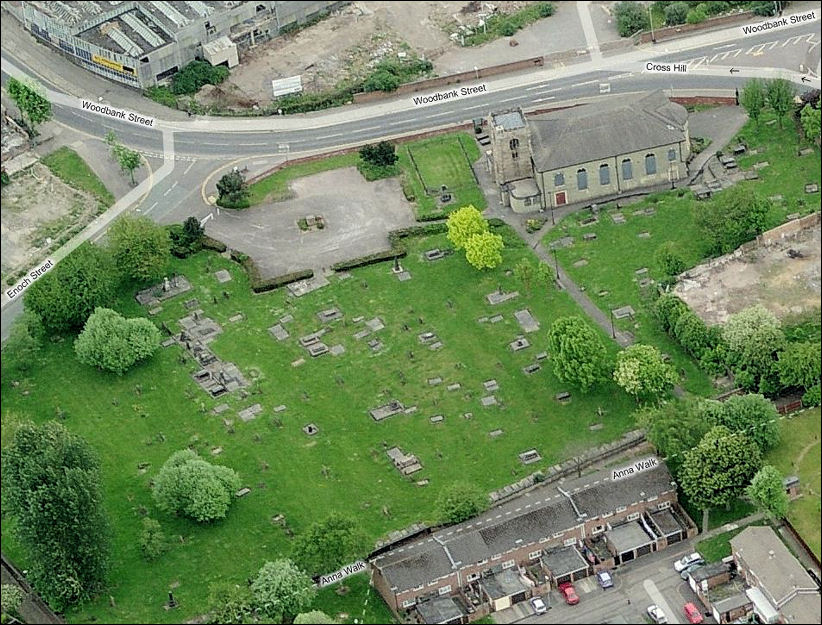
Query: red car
pixel 569 593
pixel 694 615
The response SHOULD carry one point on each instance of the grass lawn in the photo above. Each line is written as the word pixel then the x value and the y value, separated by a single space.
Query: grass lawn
pixel 717 547
pixel 274 188
pixel 69 167
pixel 798 454
pixel 445 160
pixel 156 409
pixel 618 251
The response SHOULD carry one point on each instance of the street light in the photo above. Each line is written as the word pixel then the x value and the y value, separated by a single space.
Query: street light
pixel 613 331
pixel 556 263
pixel 651 21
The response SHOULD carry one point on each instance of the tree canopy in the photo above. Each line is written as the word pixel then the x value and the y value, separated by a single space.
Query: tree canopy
pixel 732 218
pixel 811 122
pixel 460 501
pixel 800 364
pixel 51 485
pixel 329 544
pixel 315 617
pixel 382 154
pixel 464 223
pixel 34 107
pixel 141 249
pixel 767 492
pixel 577 353
pixel 233 190
pixel 111 342
pixel 193 487
pixel 780 94
pixel 631 17
pixel 484 250
pixel 641 372
pixel 753 415
pixel 281 590
pixel 752 98
pixel 673 427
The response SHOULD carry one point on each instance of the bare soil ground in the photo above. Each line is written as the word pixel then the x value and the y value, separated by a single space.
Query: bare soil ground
pixel 353 39
pixel 769 276
pixel 38 211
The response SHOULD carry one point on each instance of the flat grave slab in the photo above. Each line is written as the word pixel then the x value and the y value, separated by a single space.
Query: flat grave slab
pixel 482 320
pixel 317 349
pixel 533 368
pixel 563 242
pixel 191 304
pixel 618 218
pixel 332 314
pixel 219 409
pixel 216 451
pixel 581 262
pixel 375 345
pixel 622 312
pixel 298 362
pixel 750 175
pixel 337 349
pixel 641 272
pixel 437 419
pixel 250 413
pixel 563 396
pixel 410 410
pixel 644 235
pixel 434 381
pixel 519 344
pixel 645 283
pixel 761 165
pixel 542 355
pixel 362 334
pixel 526 320
pixel 489 400
pixel 298 289
pixel 427 337
pixel 812 188
pixel 287 319
pixel 375 324
pixel 359 319
pixel 454 387
pixel 805 151
pixel 435 346
pixel 495 433
pixel 490 385
pixel 242 492
pixel 310 429
pixel 168 342
pixel 236 318
pixel 387 410
pixel 589 236
pixel 403 276
pixel 434 254
pixel 497 297
pixel 496 319
pixel 468 415
pixel 311 339
pixel 166 289
pixel 596 426
pixel 278 332
pixel 155 311
pixel 222 276
pixel 530 456
pixel 280 408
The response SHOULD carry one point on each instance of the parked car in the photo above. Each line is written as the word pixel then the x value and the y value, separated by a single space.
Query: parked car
pixel 687 561
pixel 687 570
pixel 539 605
pixel 693 614
pixel 605 580
pixel 569 593
pixel 657 614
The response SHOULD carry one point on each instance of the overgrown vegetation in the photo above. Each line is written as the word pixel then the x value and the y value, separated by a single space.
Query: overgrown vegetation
pixel 193 76
pixel 500 24
pixel 69 167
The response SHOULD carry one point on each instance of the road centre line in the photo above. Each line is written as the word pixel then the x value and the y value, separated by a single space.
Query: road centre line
pixel 544 99
pixel 189 167
pixel 587 82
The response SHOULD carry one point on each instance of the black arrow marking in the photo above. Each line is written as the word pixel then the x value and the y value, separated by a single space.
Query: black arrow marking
pixel 734 70
pixel 805 79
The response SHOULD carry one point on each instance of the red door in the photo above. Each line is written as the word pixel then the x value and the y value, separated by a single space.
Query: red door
pixel 559 198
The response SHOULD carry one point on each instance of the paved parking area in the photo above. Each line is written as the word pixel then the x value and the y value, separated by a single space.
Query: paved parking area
pixel 358 216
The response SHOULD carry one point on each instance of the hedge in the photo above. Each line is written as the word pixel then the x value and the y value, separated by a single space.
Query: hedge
pixel 213 244
pixel 260 284
pixel 370 259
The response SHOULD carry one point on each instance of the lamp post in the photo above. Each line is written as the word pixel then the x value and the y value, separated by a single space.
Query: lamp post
pixel 651 22
pixel 613 331
pixel 556 263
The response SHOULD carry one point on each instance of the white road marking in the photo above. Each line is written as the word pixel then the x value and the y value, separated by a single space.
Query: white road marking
pixel 189 167
pixel 544 99
pixel 725 47
pixel 519 97
pixel 581 84
pixel 534 88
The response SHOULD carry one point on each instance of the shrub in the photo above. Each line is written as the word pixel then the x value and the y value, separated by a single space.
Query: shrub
pixel 152 539
pixel 676 13
pixel 696 16
pixel 459 502
pixel 193 76
pixel 545 9
pixel 111 342
pixel 811 397
pixel 631 17
pixel 161 95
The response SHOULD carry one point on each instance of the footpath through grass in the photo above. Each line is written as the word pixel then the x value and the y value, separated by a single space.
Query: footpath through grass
pixel 156 409
pixel 69 167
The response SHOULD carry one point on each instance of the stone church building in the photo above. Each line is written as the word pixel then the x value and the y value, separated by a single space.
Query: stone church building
pixel 589 153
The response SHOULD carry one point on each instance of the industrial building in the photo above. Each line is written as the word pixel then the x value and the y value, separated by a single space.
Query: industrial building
pixel 141 44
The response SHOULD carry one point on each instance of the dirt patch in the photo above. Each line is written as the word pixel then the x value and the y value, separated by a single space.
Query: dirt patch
pixel 39 213
pixel 768 275
pixel 353 40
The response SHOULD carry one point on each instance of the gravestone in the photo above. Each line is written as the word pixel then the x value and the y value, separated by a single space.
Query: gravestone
pixel 491 385
pixel 489 400
pixel 403 276
pixel 497 297
pixel 250 413
pixel 563 396
pixel 362 334
pixel 454 387
pixel 435 346
pixel 220 409
pixel 278 332
pixel 236 318
pixel 298 362
pixel 468 415
pixel 387 410
pixel 542 355
pixel 530 456
pixel 581 262
pixel 533 368
pixel 641 272
pixel 437 419
pixel 434 381
pixel 644 235
pixel 526 320
pixel 287 319
pixel 243 492
pixel 155 311
pixel 280 408
pixel 495 433
pixel 317 349
pixel 336 350
pixel 310 429
pixel 191 303
pixel 332 314
pixel 482 320
pixel 375 324
pixel 496 319
pixel 811 188
pixel 761 165
pixel 563 242
pixel 427 337
pixel 222 276
pixel 618 218
pixel 589 236
pixel 410 410
pixel 519 344
pixel 622 312
pixel 216 451
pixel 434 254
pixel 375 345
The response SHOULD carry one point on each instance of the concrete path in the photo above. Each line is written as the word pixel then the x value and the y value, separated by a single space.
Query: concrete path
pixel 721 125
pixel 584 10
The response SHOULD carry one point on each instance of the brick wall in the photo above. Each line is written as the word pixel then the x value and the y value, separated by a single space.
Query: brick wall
pixel 672 32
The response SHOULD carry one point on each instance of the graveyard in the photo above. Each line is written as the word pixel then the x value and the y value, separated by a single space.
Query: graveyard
pixel 365 396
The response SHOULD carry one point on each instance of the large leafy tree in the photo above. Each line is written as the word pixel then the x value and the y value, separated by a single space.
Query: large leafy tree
pixel 752 98
pixel 753 415
pixel 780 95
pixel 754 338
pixel 34 107
pixel 811 122
pixel 641 372
pixel 800 365
pixel 693 334
pixel 484 251
pixel 719 468
pixel 463 224
pixel 673 427
pixel 282 590
pixel 732 218
pixel 51 485
pixel 111 342
pixel 229 604
pixel 193 487
pixel 141 248
pixel 329 544
pixel 667 309
pixel 577 352
pixel 233 190
pixel 382 154
pixel 129 160
pixel 767 491
pixel 460 501
pixel 65 297
pixel 22 345
pixel 631 17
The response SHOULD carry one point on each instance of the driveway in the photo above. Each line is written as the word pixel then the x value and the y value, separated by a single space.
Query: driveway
pixel 358 216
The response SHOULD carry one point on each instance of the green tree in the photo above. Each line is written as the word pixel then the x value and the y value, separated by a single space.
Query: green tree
pixel 767 492
pixel 484 251
pixel 113 343
pixel 111 140
pixel 800 365
pixel 65 297
pixel 282 590
pixel 524 271
pixel 460 501
pixel 578 355
pixel 718 469
pixel 329 544
pixel 382 154
pixel 152 539
pixel 673 427
pixel 740 328
pixel 229 604
pixel 141 249
pixel 693 334
pixel 191 486
pixel 51 486
pixel 11 598
pixel 129 160
pixel 811 122
pixel 669 260
pixel 463 224
pixel 22 345
pixel 315 617
pixel 667 309
pixel 697 15
pixel 233 190
pixel 193 76
pixel 34 107
pixel 732 218
pixel 545 274
pixel 753 415
pixel 641 372
pixel 676 13
pixel 631 17
pixel 754 339
pixel 780 95
pixel 813 396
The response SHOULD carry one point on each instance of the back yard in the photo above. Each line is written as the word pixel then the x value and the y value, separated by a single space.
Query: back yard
pixel 136 421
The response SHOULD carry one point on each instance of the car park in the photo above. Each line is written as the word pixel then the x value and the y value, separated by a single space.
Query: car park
pixel 605 580
pixel 687 561
pixel 657 614
pixel 687 570
pixel 693 613
pixel 539 605
pixel 569 593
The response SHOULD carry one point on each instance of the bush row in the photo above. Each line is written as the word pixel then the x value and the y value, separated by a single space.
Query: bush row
pixel 260 284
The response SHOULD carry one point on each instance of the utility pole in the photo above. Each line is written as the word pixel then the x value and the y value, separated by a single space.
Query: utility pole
pixel 651 22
